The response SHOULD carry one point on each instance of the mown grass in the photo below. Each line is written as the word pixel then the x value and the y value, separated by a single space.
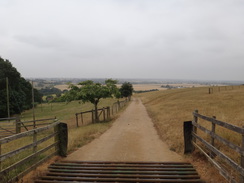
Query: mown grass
pixel 170 108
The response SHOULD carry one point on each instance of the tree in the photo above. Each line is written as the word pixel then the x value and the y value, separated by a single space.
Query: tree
pixel 92 92
pixel 20 90
pixel 126 90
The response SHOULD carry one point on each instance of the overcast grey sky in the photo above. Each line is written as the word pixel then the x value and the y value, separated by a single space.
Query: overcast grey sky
pixel 173 39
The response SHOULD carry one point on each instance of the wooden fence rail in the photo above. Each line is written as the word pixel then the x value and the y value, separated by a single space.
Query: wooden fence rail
pixel 11 126
pixel 207 145
pixel 104 113
pixel 15 163
pixel 8 126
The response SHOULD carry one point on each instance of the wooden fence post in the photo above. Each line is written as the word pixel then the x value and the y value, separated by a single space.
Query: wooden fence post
pixel 212 155
pixel 63 139
pixel 188 137
pixel 104 116
pixel 34 141
pixel 195 128
pixel 0 158
pixel 77 120
pixel 242 158
pixel 108 112
pixel 82 118
pixel 18 125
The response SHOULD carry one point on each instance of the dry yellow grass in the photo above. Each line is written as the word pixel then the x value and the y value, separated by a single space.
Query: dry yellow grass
pixel 170 108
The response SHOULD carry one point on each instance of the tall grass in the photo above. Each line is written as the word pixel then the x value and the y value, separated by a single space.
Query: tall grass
pixel 170 108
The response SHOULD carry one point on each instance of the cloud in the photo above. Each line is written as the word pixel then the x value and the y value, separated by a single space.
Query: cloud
pixel 122 38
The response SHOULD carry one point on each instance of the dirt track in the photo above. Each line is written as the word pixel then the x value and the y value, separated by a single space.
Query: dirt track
pixel 131 138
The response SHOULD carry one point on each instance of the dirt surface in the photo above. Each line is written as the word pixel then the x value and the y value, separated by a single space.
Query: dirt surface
pixel 131 138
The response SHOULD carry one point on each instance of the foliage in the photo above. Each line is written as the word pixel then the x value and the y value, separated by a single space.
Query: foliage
pixel 20 90
pixel 50 91
pixel 126 89
pixel 89 91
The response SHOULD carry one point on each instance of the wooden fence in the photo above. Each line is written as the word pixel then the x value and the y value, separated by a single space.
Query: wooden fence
pixel 208 139
pixel 8 126
pixel 104 113
pixel 117 106
pixel 23 152
pixel 216 89
pixel 11 126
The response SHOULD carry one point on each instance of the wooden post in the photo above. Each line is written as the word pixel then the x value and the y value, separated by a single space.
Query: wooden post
pixel 7 89
pixel 63 139
pixel 18 126
pixel 195 128
pixel 56 138
pixel 209 91
pixel 242 158
pixel 77 120
pixel 212 155
pixel 34 141
pixel 81 114
pixel 188 137
pixel 0 157
pixel 34 119
pixel 118 105
pixel 104 116
pixel 108 112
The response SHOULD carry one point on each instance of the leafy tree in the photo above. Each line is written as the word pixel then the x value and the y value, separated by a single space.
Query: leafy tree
pixel 92 92
pixel 20 90
pixel 50 91
pixel 126 90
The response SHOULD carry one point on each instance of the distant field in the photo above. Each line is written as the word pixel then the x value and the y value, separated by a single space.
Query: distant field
pixel 170 108
pixel 62 87
pixel 138 87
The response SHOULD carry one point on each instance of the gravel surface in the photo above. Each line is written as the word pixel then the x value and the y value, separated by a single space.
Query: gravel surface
pixel 131 138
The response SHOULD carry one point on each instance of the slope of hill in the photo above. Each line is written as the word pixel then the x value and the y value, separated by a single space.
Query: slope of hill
pixel 170 108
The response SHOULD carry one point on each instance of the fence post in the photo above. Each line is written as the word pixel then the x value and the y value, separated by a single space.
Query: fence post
pixel 108 112
pixel 112 109
pixel 212 155
pixel 77 120
pixel 0 158
pixel 63 139
pixel 104 117
pixel 188 137
pixel 82 118
pixel 34 141
pixel 18 125
pixel 242 158
pixel 195 128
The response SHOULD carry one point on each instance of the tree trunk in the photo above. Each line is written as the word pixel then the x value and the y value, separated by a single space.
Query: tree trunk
pixel 96 112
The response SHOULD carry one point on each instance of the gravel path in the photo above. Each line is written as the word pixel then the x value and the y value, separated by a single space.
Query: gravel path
pixel 131 138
